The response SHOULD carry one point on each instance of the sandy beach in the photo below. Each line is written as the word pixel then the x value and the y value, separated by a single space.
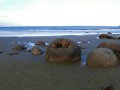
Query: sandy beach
pixel 25 71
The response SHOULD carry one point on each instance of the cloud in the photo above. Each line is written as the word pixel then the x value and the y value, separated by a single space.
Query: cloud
pixel 3 16
pixel 51 12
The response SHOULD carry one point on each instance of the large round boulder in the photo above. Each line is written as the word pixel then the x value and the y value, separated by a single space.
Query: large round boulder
pixel 102 57
pixel 115 46
pixel 63 50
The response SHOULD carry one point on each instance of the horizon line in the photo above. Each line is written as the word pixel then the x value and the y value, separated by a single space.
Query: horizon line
pixel 66 26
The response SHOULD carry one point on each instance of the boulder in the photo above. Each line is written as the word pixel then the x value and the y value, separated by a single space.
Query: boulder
pixel 19 47
pixel 36 51
pixel 63 50
pixel 114 46
pixel 40 43
pixel 109 33
pixel 108 36
pixel 102 57
pixel 105 36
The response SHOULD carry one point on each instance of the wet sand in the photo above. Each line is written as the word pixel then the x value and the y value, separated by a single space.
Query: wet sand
pixel 27 72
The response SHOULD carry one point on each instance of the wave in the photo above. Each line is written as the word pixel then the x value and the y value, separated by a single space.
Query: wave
pixel 32 32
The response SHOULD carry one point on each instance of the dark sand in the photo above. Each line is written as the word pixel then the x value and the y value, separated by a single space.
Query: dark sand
pixel 27 72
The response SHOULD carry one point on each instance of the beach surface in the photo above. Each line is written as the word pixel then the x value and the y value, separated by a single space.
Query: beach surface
pixel 25 71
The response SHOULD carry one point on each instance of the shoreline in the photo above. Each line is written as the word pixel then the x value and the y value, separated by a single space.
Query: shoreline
pixel 87 34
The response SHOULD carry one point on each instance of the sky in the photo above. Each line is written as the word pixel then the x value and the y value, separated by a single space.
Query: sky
pixel 59 12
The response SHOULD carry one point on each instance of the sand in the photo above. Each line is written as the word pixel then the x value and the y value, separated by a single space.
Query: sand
pixel 27 72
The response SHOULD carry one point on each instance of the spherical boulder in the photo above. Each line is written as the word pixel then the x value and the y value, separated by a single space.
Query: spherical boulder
pixel 36 51
pixel 102 57
pixel 114 46
pixel 63 50
pixel 40 43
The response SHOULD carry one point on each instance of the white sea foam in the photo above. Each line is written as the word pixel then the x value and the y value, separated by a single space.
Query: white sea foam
pixel 26 33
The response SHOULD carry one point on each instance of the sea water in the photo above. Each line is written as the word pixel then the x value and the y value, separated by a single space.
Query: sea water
pixel 26 31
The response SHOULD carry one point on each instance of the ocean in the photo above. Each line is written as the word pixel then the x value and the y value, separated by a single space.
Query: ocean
pixel 26 31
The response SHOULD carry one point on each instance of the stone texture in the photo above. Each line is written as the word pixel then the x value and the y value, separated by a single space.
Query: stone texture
pixel 36 51
pixel 102 57
pixel 108 36
pixel 114 46
pixel 63 50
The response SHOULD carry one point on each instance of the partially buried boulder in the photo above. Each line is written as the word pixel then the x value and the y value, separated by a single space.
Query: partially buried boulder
pixel 19 47
pixel 36 51
pixel 102 57
pixel 63 50
pixel 114 46
pixel 108 36
pixel 105 36
pixel 40 43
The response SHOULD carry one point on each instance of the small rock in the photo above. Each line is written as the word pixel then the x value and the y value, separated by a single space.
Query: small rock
pixel 108 36
pixel 40 43
pixel 105 36
pixel 19 47
pixel 36 51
